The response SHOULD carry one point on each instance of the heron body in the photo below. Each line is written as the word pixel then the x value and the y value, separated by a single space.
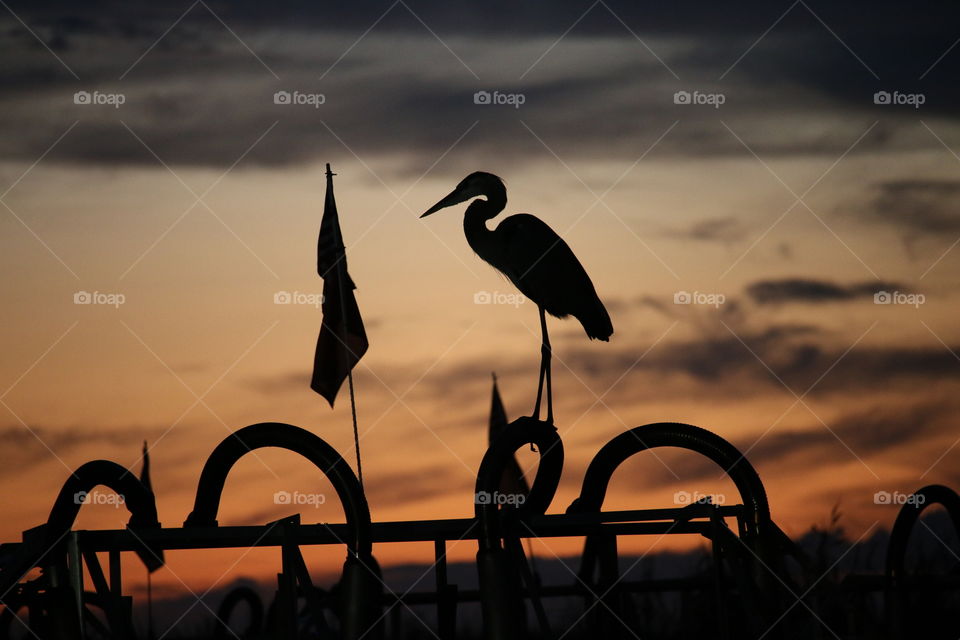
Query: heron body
pixel 534 258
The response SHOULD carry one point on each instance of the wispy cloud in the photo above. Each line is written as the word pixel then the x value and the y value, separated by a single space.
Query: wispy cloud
pixel 814 291
pixel 726 230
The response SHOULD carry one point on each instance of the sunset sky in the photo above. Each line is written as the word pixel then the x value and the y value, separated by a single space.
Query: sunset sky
pixel 787 191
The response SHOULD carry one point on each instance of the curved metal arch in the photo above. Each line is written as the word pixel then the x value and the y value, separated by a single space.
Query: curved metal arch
pixel 501 602
pixel 285 436
pixel 907 519
pixel 684 436
pixel 137 498
pixel 518 433
pixel 757 529
pixel 895 596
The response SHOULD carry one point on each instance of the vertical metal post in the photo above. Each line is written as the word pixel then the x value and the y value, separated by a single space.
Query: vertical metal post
pixel 716 523
pixel 116 580
pixel 287 589
pixel 75 578
pixel 611 615
pixel 446 593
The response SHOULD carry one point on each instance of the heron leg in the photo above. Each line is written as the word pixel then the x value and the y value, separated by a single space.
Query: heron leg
pixel 543 369
pixel 545 356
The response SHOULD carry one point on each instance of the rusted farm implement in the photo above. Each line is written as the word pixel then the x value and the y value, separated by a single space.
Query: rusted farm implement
pixel 760 584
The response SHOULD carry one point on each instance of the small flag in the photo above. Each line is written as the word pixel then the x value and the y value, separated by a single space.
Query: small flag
pixel 342 340
pixel 512 481
pixel 145 469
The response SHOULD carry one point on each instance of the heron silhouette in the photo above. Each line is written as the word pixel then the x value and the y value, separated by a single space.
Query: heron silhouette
pixel 531 254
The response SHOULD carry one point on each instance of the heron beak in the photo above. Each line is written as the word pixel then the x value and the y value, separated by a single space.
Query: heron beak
pixel 455 197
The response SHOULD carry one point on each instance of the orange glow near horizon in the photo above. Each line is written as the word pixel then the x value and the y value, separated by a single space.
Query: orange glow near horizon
pixel 199 348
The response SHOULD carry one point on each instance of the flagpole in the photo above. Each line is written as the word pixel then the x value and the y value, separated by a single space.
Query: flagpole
pixel 356 433
pixel 149 605
pixel 145 480
pixel 343 317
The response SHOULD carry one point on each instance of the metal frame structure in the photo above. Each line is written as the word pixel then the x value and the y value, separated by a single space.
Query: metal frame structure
pixel 756 570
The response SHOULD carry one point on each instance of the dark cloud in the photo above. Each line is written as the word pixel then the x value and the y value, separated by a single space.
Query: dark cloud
pixel 816 291
pixel 731 311
pixel 200 97
pixel 713 356
pixel 866 433
pixel 725 230
pixel 508 18
pixel 655 303
pixel 796 354
pixel 25 447
pixel 918 207
pixel 715 360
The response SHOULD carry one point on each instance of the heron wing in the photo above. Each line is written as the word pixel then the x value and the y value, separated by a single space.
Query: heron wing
pixel 545 269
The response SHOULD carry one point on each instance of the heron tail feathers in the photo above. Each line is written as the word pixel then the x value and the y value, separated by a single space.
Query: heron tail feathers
pixel 597 323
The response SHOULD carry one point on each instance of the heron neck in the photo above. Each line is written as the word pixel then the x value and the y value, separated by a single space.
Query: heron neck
pixel 479 237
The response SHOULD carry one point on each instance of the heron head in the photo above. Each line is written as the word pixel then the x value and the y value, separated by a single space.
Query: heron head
pixel 478 183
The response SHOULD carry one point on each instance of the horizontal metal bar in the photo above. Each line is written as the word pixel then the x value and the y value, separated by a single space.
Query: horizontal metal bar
pixel 636 522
